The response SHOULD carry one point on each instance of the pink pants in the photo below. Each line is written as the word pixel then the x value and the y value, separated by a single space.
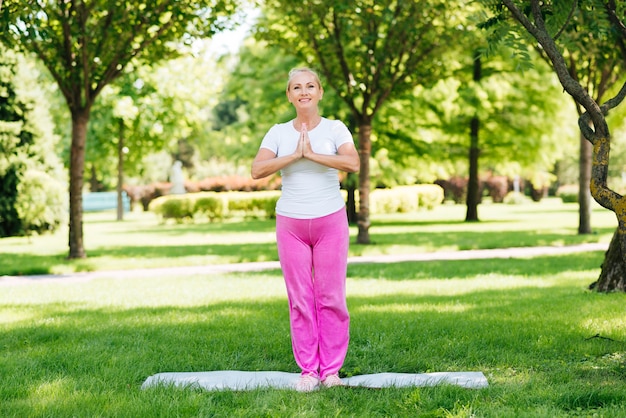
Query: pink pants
pixel 314 256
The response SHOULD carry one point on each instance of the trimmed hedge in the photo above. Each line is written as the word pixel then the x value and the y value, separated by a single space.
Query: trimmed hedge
pixel 568 193
pixel 215 206
pixel 218 206
pixel 406 199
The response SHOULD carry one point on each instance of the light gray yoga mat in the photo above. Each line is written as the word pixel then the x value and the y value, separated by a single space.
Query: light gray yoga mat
pixel 245 380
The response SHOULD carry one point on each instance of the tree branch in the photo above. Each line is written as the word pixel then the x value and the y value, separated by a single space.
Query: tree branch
pixel 569 18
pixel 539 32
pixel 610 8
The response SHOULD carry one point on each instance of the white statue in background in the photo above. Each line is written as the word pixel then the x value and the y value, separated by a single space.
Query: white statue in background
pixel 177 179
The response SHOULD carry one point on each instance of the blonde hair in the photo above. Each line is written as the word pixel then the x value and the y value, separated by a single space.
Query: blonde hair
pixel 298 70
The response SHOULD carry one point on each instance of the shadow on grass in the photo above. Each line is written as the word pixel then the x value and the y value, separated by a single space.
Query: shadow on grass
pixel 26 264
pixel 424 270
pixel 472 240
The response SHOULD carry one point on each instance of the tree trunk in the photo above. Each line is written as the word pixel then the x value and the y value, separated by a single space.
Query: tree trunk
pixel 473 183
pixel 613 270
pixel 473 197
pixel 365 150
pixel 77 167
pixel 350 185
pixel 120 172
pixel 614 264
pixel 584 178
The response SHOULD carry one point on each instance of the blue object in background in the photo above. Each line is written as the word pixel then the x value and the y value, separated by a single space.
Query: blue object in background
pixel 93 202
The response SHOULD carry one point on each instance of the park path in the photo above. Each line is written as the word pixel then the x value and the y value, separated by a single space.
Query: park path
pixel 517 252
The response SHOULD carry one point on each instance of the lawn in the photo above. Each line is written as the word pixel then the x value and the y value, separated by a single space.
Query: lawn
pixel 547 345
pixel 141 241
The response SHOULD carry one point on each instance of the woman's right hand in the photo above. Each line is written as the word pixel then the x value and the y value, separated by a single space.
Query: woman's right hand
pixel 302 143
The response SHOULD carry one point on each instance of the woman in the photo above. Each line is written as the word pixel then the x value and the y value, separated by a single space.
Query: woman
pixel 312 228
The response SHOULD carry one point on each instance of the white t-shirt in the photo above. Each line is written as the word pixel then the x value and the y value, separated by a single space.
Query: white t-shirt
pixel 309 190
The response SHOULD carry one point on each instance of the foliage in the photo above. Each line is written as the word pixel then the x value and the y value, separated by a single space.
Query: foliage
pixel 568 193
pixel 87 45
pixel 589 53
pixel 253 99
pixel 31 199
pixel 108 35
pixel 523 119
pixel 403 199
pixel 215 206
pixel 170 110
pixel 369 53
pixel 515 198
pixel 545 22
pixel 229 205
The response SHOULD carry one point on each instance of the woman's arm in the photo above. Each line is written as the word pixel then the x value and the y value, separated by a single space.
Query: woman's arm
pixel 267 163
pixel 347 158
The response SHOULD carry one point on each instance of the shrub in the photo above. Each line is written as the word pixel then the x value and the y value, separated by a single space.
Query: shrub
pixel 455 188
pixel 41 203
pixel 209 206
pixel 177 207
pixel 430 196
pixel 406 198
pixel 515 198
pixel 262 204
pixel 257 204
pixel 568 193
pixel 216 205
pixel 498 187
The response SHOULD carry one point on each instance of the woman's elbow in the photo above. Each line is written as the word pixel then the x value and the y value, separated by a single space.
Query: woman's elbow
pixel 354 167
pixel 256 174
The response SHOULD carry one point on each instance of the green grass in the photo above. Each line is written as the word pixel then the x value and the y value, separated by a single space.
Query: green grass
pixel 140 241
pixel 548 346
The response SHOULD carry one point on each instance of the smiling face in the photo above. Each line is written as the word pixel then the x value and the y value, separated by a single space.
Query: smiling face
pixel 304 90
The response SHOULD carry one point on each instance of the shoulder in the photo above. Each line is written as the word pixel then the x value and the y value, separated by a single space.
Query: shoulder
pixel 332 122
pixel 338 129
pixel 283 126
pixel 279 129
pixel 335 125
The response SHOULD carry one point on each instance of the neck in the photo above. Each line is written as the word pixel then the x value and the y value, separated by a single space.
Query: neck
pixel 311 121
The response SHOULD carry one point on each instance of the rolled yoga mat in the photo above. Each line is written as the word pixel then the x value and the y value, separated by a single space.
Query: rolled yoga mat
pixel 247 380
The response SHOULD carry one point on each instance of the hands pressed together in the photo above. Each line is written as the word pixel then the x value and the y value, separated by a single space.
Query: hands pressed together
pixel 304 150
pixel 267 162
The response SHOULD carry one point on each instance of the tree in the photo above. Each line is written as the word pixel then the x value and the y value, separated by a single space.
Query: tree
pixel 255 88
pixel 512 142
pixel 593 60
pixel 87 44
pixel 369 52
pixel 154 109
pixel 31 188
pixel 544 21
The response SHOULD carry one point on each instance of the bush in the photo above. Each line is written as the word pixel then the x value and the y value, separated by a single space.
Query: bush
pixel 430 196
pixel 455 189
pixel 211 207
pixel 177 207
pixel 403 199
pixel 515 198
pixel 568 193
pixel 216 206
pixel 41 203
pixel 252 205
pixel 497 187
pixel 10 223
pixel 262 204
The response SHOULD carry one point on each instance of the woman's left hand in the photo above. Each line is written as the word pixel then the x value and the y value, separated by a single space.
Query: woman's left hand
pixel 307 151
